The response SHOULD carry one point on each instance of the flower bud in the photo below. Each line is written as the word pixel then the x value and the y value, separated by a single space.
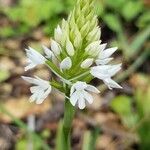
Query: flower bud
pixel 58 34
pixel 94 35
pixel 85 29
pixel 69 48
pixel 76 35
pixel 87 63
pixel 55 47
pixel 66 64
pixel 93 48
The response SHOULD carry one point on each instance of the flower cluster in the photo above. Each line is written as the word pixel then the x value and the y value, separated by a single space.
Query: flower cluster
pixel 76 56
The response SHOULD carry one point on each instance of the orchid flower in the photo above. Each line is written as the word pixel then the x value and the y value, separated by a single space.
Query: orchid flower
pixel 76 55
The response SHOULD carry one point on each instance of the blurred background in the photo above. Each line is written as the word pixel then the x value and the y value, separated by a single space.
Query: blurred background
pixel 117 120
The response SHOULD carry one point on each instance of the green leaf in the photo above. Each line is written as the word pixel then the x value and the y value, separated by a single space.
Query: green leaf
pixel 113 22
pixel 138 41
pixel 144 20
pixel 90 138
pixel 100 8
pixel 122 106
pixel 86 140
pixel 131 9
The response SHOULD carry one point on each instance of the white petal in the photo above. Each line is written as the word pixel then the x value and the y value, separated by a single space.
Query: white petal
pixel 36 55
pixel 40 99
pixel 92 89
pixel 102 47
pixel 55 47
pixel 34 89
pixel 100 72
pixel 103 61
pixel 112 84
pixel 69 48
pixel 73 99
pixel 47 92
pixel 48 52
pixel 80 85
pixel 66 64
pixel 34 58
pixel 87 63
pixel 33 97
pixel 81 103
pixel 105 71
pixel 72 90
pixel 108 52
pixel 88 97
pixel 40 91
pixel 29 79
pixel 29 66
pixel 114 69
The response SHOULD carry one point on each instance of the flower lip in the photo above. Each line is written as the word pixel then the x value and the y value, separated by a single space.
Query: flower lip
pixel 105 72
pixel 41 89
pixel 79 94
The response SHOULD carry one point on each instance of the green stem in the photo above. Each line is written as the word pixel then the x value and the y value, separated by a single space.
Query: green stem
pixel 67 122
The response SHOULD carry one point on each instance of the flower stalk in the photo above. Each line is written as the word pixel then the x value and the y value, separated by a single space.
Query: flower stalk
pixel 67 123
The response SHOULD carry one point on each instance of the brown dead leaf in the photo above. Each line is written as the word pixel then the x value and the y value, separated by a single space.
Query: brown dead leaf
pixel 21 108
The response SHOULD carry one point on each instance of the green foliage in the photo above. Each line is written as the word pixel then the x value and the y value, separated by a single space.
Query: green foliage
pixel 30 13
pixel 123 106
pixel 113 22
pixel 131 9
pixel 90 138
pixel 138 119
pixel 33 12
pixel 144 19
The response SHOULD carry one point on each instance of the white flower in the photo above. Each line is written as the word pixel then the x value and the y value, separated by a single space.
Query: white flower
pixel 69 48
pixel 104 55
pixel 105 72
pixel 34 58
pixel 87 63
pixel 41 89
pixel 55 47
pixel 79 94
pixel 66 64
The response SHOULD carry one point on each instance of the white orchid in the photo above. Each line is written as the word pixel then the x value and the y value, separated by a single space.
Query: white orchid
pixel 79 94
pixel 104 55
pixel 76 56
pixel 41 89
pixel 105 72
pixel 34 58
